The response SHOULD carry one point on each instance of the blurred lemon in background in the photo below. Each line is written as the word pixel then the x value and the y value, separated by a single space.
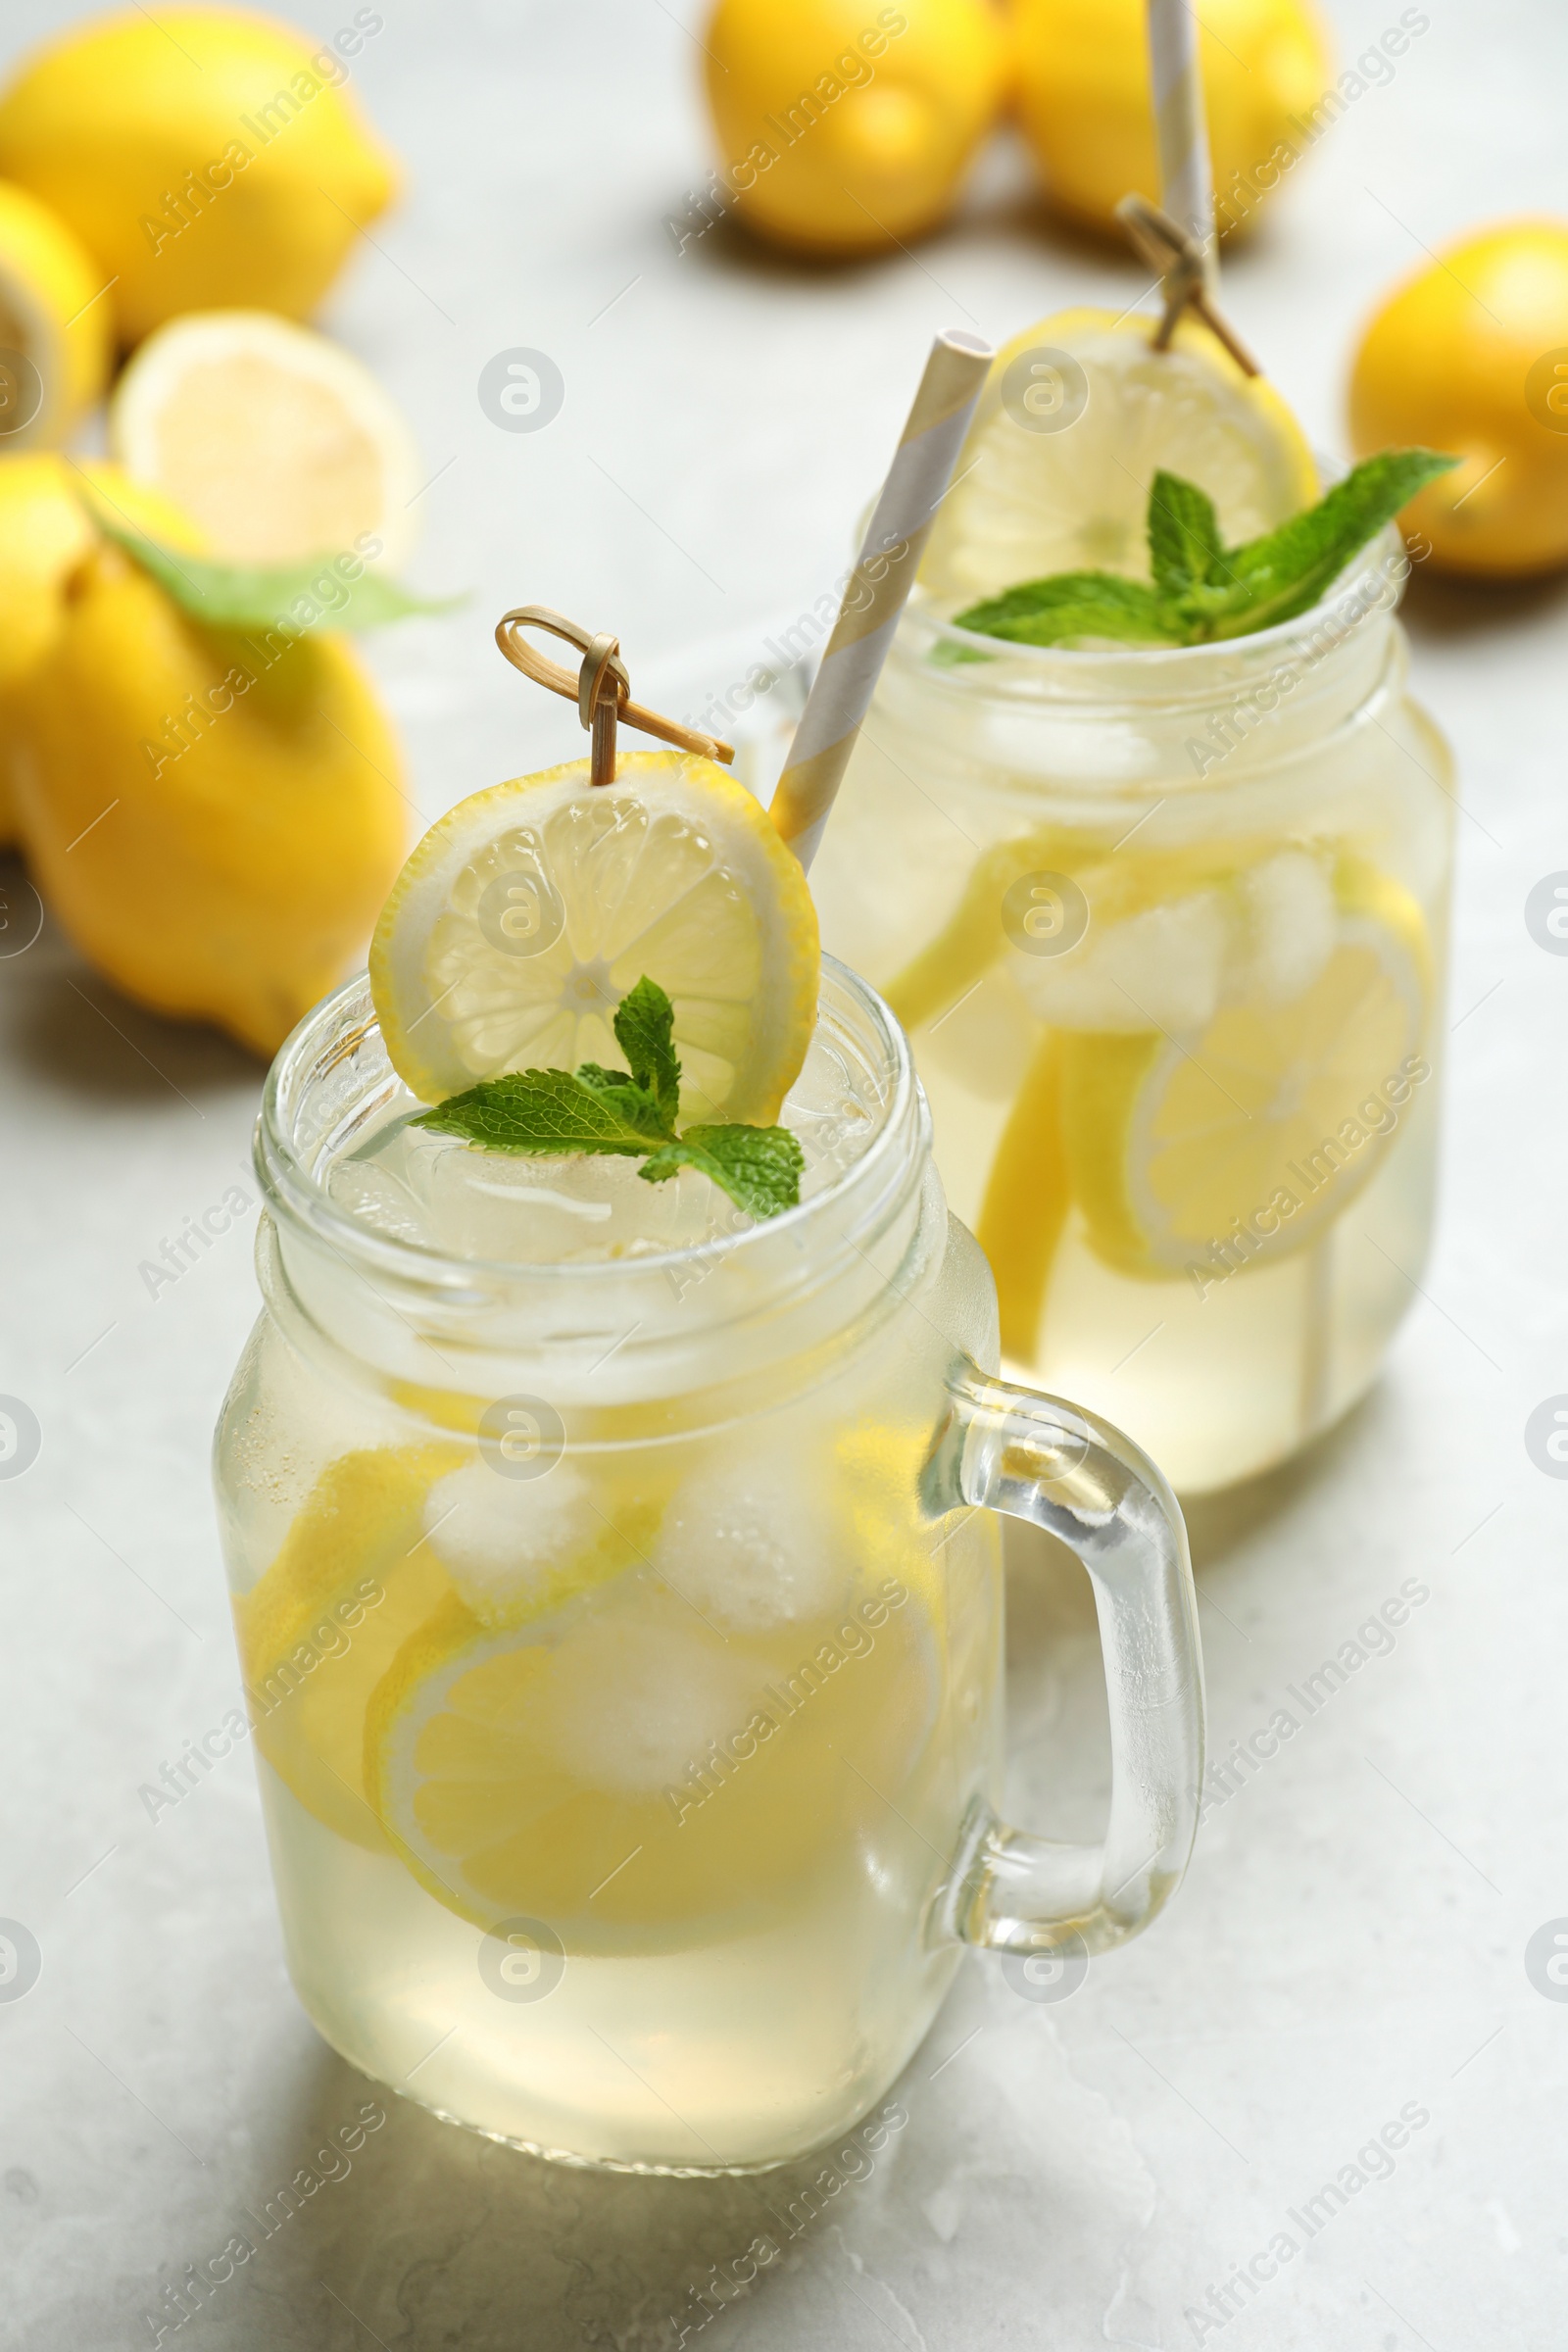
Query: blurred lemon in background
pixel 280 445
pixel 208 158
pixel 1085 100
pixel 842 128
pixel 55 324
pixel 1471 355
pixel 214 816
pixel 46 533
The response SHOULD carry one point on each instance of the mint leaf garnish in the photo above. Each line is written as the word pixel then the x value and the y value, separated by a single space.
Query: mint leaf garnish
pixel 1204 591
pixel 1183 533
pixel 1289 569
pixel 294 598
pixel 546 1112
pixel 760 1167
pixel 645 1031
pixel 1073 603
pixel 628 1113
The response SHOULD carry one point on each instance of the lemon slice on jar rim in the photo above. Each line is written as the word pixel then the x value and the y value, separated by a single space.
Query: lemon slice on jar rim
pixel 1077 416
pixel 529 911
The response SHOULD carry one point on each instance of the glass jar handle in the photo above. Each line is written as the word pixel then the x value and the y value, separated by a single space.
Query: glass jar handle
pixel 1034 1457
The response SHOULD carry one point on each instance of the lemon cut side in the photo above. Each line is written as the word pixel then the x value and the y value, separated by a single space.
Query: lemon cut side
pixel 280 445
pixel 530 911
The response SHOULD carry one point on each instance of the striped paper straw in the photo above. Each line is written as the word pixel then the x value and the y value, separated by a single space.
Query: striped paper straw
pixel 1187 185
pixel 874 597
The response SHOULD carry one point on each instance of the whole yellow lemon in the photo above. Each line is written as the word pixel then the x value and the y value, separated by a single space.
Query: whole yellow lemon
pixel 1085 103
pixel 44 534
pixel 1471 355
pixel 214 817
pixel 843 128
pixel 209 159
pixel 47 531
pixel 54 325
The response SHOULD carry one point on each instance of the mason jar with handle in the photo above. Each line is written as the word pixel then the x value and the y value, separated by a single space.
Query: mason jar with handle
pixel 623 1634
pixel 1167 930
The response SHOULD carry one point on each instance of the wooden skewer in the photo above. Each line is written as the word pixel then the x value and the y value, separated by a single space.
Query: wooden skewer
pixel 601 689
pixel 1165 246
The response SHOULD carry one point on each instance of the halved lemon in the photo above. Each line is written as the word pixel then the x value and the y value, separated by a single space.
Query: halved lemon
pixel 354 1578
pixel 528 911
pixel 1077 414
pixel 1265 1123
pixel 281 445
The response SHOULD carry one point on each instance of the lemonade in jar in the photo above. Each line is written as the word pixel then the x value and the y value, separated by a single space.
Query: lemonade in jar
pixel 608 1491
pixel 1147 847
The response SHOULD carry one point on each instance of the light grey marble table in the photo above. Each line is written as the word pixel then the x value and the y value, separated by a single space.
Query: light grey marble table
pixel 1351 1943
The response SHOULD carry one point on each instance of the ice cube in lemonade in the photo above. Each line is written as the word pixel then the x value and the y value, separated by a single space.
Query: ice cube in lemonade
pixel 447 1195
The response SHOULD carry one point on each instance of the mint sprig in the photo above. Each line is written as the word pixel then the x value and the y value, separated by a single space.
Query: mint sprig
pixel 630 1113
pixel 1201 590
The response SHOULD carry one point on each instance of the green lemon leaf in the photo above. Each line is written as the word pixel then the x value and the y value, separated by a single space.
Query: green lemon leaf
pixel 335 593
pixel 1073 603
pixel 760 1167
pixel 1184 542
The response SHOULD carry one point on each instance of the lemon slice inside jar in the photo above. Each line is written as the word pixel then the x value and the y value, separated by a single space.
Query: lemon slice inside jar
pixel 352 1579
pixel 528 911
pixel 1269 1118
pixel 567 1770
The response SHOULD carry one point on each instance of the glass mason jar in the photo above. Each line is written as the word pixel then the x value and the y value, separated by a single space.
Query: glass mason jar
pixel 623 1639
pixel 1167 932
